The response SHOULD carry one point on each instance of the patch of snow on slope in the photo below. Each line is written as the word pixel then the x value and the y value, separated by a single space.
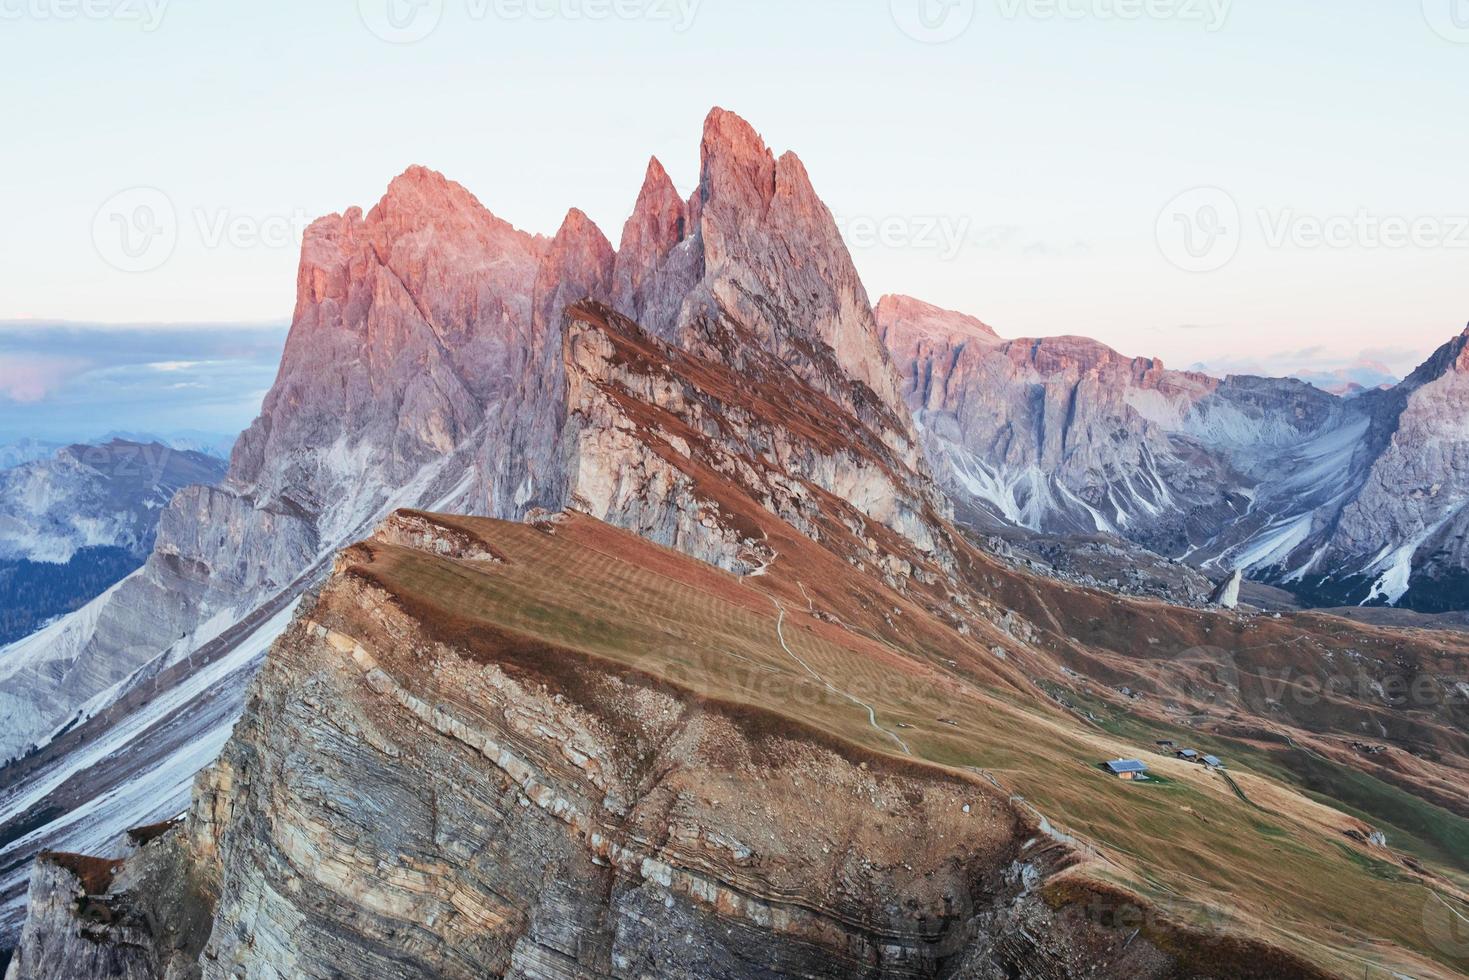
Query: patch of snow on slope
pixel 62 640
pixel 1269 547
pixel 118 739
pixel 1326 460
pixel 983 483
pixel 1397 566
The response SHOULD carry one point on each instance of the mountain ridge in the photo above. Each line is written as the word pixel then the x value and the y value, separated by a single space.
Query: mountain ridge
pixel 443 361
pixel 1290 460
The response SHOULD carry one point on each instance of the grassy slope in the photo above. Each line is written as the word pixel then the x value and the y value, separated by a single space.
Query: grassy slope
pixel 1187 842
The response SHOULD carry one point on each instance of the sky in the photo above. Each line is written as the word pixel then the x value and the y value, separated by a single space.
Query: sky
pixel 1272 184
pixel 61 383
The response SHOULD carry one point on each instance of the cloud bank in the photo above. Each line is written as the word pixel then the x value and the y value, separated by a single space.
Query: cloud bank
pixel 66 382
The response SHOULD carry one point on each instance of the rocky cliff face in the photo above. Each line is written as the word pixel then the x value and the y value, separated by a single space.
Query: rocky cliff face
pixel 425 367
pixel 421 788
pixel 1270 476
pixel 107 495
pixel 658 438
pixel 1405 532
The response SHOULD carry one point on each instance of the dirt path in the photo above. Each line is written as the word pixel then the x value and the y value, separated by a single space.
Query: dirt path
pixel 871 712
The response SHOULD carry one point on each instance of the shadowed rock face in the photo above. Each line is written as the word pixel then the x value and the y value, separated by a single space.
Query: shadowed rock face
pixel 1415 502
pixel 1340 500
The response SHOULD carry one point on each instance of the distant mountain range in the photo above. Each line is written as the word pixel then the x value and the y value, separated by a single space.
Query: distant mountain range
pixel 77 520
pixel 1342 500
pixel 18 451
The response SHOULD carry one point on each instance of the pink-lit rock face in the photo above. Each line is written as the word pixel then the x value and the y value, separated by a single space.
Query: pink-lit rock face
pixel 409 321
pixel 424 368
pixel 646 279
pixel 905 323
pixel 774 257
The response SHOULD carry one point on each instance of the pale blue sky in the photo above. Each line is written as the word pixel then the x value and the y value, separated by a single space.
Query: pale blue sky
pixel 1052 143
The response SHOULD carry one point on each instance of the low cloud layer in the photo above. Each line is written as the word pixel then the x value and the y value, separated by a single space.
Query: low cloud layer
pixel 1324 367
pixel 66 382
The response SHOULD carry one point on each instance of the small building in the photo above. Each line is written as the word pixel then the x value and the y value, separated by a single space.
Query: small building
pixel 1213 762
pixel 1131 769
pixel 1167 743
pixel 1191 755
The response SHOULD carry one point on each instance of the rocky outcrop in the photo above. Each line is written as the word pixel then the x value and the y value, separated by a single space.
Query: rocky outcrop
pixel 658 438
pixel 1226 595
pixel 555 836
pixel 1406 533
pixel 764 252
pixel 144 918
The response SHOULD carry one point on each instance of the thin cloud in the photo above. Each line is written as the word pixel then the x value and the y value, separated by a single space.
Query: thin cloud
pixel 30 378
pixel 144 379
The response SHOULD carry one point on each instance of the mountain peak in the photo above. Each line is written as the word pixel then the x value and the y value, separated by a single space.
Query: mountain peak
pixel 419 196
pixel 736 163
pixel 419 183
pixel 1451 358
pixel 577 224
pixel 903 321
pixel 577 264
pixel 659 222
pixel 656 175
